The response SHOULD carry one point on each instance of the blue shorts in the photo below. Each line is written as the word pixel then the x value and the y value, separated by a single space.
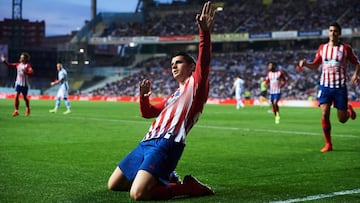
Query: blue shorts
pixel 336 96
pixel 23 89
pixel 274 97
pixel 158 157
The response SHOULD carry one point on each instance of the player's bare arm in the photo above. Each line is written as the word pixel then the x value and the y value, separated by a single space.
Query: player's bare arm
pixel 355 77
pixel 303 63
pixel 54 83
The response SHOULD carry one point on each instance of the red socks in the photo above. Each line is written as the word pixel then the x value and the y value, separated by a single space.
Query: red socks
pixel 16 104
pixel 161 192
pixel 326 126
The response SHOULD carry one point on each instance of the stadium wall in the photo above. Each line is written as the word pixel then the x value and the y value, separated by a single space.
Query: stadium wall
pixel 250 102
pixel 228 37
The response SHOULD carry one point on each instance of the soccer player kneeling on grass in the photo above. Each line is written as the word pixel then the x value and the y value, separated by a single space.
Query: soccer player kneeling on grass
pixel 145 171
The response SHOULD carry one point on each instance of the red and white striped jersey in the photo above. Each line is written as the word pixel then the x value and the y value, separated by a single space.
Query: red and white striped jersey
pixel 23 70
pixel 178 113
pixel 334 61
pixel 276 80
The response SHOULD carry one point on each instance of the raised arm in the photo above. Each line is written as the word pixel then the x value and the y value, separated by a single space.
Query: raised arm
pixel 205 20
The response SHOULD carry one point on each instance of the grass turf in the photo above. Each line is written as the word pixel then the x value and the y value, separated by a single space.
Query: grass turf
pixel 242 155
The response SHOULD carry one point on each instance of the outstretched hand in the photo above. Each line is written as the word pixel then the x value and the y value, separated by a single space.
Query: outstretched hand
pixel 205 20
pixel 145 88
pixel 301 64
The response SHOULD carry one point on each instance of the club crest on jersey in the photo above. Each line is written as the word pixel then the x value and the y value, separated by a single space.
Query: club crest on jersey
pixel 173 97
pixel 339 54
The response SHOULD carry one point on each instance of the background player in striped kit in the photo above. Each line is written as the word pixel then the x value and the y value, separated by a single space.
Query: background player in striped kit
pixel 23 69
pixel 145 170
pixel 333 57
pixel 275 79
pixel 63 90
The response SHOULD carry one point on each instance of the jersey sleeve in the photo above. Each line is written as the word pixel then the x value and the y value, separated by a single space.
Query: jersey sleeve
pixel 202 70
pixel 318 58
pixel 12 65
pixel 29 70
pixel 351 55
pixel 149 110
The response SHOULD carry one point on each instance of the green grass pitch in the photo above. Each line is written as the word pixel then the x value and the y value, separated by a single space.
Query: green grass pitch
pixel 243 155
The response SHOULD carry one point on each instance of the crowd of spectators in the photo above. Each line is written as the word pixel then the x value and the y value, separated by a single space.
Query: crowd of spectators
pixel 249 65
pixel 253 16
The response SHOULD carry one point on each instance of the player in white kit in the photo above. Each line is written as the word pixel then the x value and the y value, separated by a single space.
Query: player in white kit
pixel 63 91
pixel 238 88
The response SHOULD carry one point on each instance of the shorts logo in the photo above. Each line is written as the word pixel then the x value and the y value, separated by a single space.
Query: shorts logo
pixel 152 167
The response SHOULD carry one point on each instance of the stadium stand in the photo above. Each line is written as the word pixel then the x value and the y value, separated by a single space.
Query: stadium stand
pixel 250 65
pixel 252 16
pixel 247 58
pixel 238 16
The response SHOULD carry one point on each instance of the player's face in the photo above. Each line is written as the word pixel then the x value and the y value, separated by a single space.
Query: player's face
pixel 22 58
pixel 180 69
pixel 271 67
pixel 334 33
pixel 58 66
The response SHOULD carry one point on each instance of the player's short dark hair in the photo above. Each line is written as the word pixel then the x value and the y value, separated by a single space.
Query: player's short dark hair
pixel 337 25
pixel 189 59
pixel 26 55
pixel 273 62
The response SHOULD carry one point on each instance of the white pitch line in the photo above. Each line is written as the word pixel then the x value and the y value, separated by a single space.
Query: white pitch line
pixel 230 128
pixel 274 131
pixel 319 196
pixel 304 133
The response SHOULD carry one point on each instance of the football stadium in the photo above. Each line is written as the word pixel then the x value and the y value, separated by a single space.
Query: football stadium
pixel 74 107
